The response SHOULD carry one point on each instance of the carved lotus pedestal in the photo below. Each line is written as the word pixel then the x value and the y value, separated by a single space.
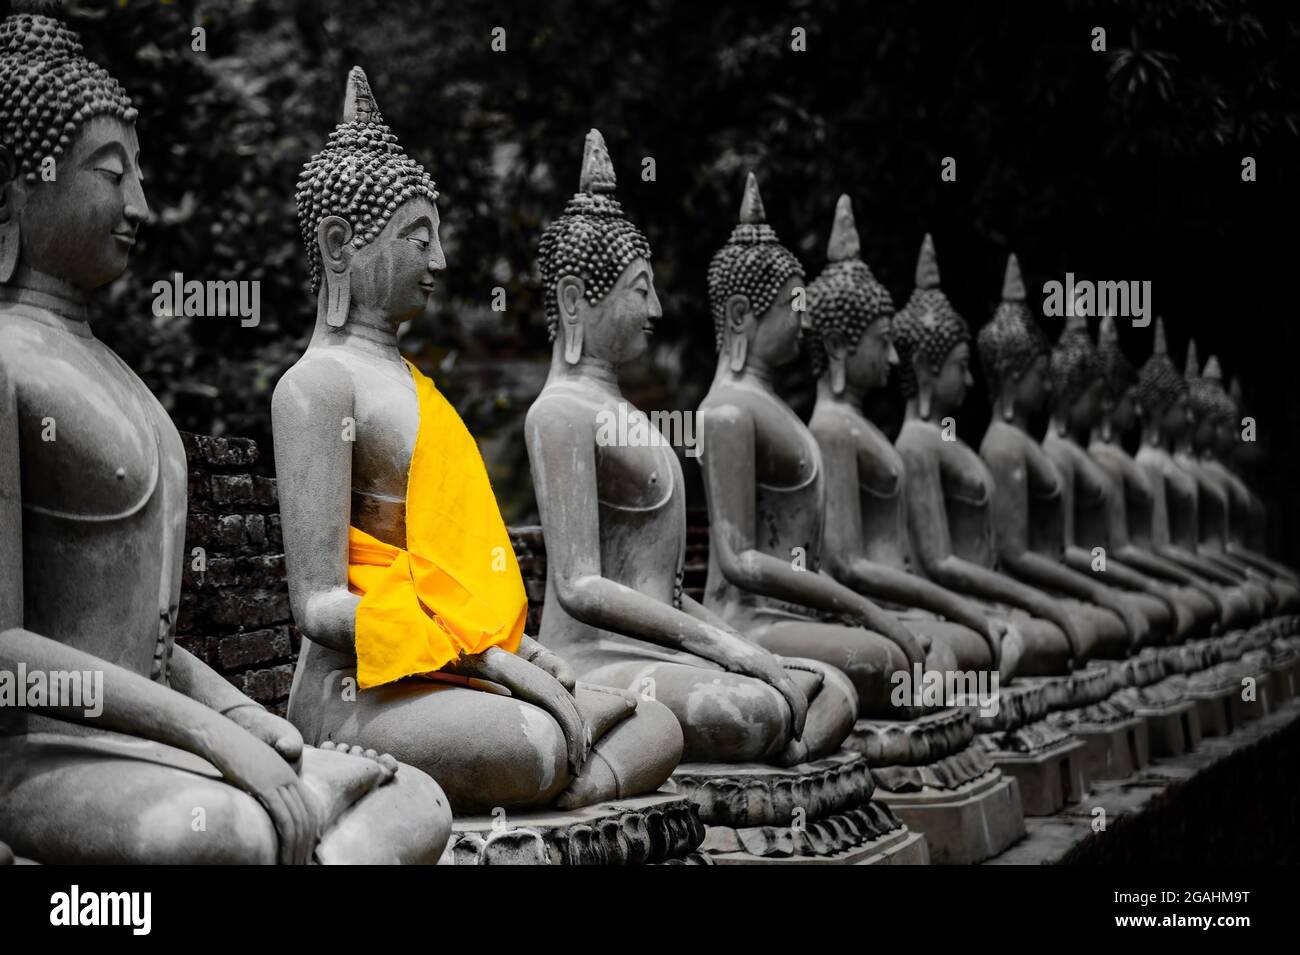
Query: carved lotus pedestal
pixel 1084 705
pixel 1046 761
pixel 820 812
pixel 659 829
pixel 931 774
pixel 1173 720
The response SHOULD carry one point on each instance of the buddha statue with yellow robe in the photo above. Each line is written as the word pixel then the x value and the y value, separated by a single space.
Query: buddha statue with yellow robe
pixel 163 761
pixel 401 573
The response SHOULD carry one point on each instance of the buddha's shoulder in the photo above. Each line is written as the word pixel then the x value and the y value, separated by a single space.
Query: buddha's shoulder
pixel 317 375
pixel 566 405
pixel 25 343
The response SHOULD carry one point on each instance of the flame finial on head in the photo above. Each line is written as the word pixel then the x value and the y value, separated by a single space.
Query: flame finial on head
pixel 844 243
pixel 597 170
pixel 1192 369
pixel 927 266
pixel 1160 346
pixel 751 206
pixel 1212 370
pixel 1013 286
pixel 359 104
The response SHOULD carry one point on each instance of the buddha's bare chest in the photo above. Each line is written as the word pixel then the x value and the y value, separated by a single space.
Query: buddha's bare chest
pixel 386 423
pixel 965 476
pixel 93 443
pixel 880 474
pixel 639 472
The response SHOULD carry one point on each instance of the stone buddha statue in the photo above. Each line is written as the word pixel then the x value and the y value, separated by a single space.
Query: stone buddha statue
pixel 165 761
pixel 1212 410
pixel 1174 531
pixel 867 545
pixel 1078 396
pixel 614 516
pixel 1028 502
pixel 1128 502
pixel 950 490
pixel 1218 449
pixel 765 485
pixel 1243 459
pixel 401 573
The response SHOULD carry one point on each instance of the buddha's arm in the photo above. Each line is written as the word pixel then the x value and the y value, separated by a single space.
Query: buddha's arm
pixel 1009 503
pixel 561 454
pixel 11 512
pixel 1262 563
pixel 729 479
pixel 927 519
pixel 313 466
pixel 1114 570
pixel 1198 565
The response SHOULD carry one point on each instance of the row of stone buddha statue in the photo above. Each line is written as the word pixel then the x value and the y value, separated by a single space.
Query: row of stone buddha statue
pixel 417 693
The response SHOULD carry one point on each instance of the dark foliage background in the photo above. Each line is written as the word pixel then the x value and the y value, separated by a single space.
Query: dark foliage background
pixel 1122 165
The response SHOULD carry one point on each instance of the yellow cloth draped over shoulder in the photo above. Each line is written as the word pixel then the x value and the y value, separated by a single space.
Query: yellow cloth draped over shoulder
pixel 457 587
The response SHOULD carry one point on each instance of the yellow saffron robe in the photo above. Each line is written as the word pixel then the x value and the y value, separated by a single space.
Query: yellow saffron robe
pixel 457 587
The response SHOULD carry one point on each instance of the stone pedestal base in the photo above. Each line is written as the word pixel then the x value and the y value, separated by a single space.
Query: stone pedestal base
pixel 1173 730
pixel 662 828
pixel 1049 779
pixel 965 825
pixel 1213 710
pixel 813 812
pixel 1114 750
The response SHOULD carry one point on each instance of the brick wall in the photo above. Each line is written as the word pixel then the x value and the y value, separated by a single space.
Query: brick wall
pixel 234 615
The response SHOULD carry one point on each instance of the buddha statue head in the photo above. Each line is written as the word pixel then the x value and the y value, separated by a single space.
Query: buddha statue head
pixel 752 283
pixel 70 193
pixel 595 263
pixel 1213 411
pixel 1078 389
pixel 1120 406
pixel 1014 351
pixel 368 219
pixel 1162 391
pixel 852 314
pixel 933 343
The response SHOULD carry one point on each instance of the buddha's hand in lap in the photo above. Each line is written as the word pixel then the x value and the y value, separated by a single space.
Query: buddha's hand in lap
pixel 532 684
pixel 261 771
pixel 737 655
pixel 552 663
pixel 274 731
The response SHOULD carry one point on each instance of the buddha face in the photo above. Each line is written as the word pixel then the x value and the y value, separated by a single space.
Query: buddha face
pixel 867 367
pixel 1225 435
pixel 1033 386
pixel 1087 409
pixel 1124 412
pixel 393 274
pixel 1205 431
pixel 81 226
pixel 951 379
pixel 776 337
pixel 1176 418
pixel 618 328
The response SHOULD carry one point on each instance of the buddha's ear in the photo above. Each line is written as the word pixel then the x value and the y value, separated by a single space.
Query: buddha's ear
pixel 836 348
pixel 569 291
pixel 333 234
pixel 737 311
pixel 333 238
pixel 11 201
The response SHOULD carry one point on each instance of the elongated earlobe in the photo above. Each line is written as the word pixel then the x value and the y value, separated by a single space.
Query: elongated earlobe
pixel 8 249
pixel 332 237
pixel 573 341
pixel 10 202
pixel 737 351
